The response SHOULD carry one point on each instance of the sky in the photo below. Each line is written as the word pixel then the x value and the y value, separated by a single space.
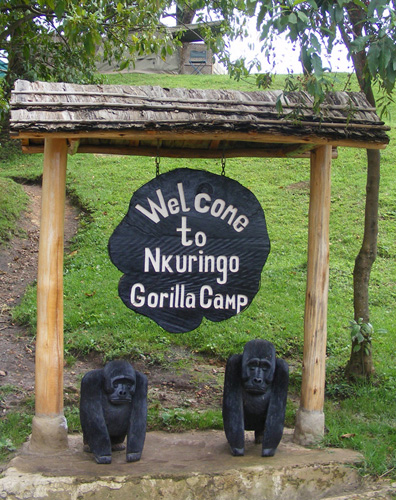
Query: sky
pixel 287 58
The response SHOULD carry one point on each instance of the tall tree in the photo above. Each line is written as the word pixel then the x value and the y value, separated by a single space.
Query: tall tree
pixel 368 31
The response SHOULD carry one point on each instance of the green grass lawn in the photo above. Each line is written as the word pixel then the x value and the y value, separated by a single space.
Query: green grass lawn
pixel 97 320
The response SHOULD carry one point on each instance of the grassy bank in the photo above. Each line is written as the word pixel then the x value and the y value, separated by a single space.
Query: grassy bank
pixel 13 199
pixel 97 320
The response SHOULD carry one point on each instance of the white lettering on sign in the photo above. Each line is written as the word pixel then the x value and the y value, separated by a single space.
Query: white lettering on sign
pixel 155 208
pixel 178 298
pixel 173 206
pixel 220 301
pixel 201 263
pixel 184 230
pixel 203 204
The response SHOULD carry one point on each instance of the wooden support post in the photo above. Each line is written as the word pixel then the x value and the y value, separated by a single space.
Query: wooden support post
pixel 310 417
pixel 49 430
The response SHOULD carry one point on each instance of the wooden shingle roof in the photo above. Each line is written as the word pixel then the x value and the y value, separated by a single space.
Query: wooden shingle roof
pixel 189 122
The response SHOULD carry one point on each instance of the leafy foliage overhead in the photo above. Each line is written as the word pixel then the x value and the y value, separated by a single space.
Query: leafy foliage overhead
pixel 366 28
pixel 59 39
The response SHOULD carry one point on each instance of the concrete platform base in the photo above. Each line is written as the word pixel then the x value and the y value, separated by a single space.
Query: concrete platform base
pixel 193 465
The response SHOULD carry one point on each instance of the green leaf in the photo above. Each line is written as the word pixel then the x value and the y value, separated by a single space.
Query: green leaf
pixel 315 42
pixel 303 17
pixel 278 104
pixel 264 30
pixel 26 51
pixel 373 56
pixel 356 348
pixel 306 60
pixel 359 338
pixel 367 328
pixel 339 14
pixel 292 18
pixel 124 64
pixel 359 43
pixel 260 18
pixel 384 59
pixel 89 44
pixel 360 4
pixel 60 8
pixel 377 5
pixel 317 64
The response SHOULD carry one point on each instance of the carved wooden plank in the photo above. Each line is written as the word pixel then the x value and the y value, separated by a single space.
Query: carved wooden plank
pixel 181 135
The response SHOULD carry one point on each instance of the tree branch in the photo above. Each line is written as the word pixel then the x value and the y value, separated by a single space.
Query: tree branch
pixel 10 30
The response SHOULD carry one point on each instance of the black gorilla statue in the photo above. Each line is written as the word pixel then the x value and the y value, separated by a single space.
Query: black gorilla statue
pixel 254 399
pixel 113 405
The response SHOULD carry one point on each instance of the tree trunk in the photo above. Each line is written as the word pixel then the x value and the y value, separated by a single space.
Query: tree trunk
pixel 368 251
pixel 360 364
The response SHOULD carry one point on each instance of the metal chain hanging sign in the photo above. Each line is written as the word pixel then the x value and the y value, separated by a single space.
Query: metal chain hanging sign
pixel 192 245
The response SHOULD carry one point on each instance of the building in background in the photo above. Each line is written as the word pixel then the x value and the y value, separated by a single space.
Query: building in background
pixel 192 58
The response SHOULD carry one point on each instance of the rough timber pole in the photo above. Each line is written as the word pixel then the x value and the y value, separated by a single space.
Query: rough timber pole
pixel 310 417
pixel 49 429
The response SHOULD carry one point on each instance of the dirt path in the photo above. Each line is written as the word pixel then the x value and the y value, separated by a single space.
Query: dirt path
pixel 198 387
pixel 18 268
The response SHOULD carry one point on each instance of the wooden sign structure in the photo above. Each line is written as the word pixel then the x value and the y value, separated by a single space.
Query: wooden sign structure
pixel 151 121
pixel 192 245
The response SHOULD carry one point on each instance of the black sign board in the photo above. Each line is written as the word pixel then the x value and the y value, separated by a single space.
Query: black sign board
pixel 192 245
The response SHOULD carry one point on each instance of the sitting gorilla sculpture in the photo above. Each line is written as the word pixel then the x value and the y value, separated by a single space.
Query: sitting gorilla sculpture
pixel 113 405
pixel 255 393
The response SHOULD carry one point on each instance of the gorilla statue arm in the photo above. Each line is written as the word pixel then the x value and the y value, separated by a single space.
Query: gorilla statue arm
pixel 255 394
pixel 233 406
pixel 92 418
pixel 137 423
pixel 275 418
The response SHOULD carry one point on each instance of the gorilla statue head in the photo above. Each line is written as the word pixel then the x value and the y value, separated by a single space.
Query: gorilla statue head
pixel 120 382
pixel 258 366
